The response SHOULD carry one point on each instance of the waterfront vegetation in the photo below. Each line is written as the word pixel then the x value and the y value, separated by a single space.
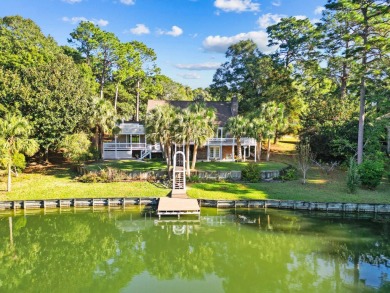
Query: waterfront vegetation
pixel 58 181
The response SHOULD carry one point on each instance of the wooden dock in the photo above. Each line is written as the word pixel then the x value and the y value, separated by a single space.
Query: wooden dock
pixel 177 206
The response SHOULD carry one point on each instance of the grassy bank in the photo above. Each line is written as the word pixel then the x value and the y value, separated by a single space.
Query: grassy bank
pixel 320 187
pixel 236 166
pixel 128 165
pixel 58 182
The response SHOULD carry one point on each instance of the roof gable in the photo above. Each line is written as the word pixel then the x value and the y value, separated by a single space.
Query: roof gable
pixel 223 110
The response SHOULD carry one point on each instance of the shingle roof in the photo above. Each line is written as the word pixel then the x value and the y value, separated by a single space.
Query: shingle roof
pixel 223 110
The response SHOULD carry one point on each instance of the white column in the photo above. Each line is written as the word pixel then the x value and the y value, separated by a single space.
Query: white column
pixel 116 146
pixel 255 153
pixel 233 150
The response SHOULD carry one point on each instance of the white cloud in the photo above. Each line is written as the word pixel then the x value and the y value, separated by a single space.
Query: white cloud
pixel 276 3
pixel 300 17
pixel 189 75
pixel 128 2
pixel 174 32
pixel 71 1
pixel 318 10
pixel 77 19
pixel 199 66
pixel 268 19
pixel 237 5
pixel 220 44
pixel 315 20
pixel 140 29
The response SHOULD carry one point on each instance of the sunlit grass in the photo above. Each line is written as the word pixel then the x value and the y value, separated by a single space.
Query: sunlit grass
pixel 128 165
pixel 237 166
pixel 59 183
pixel 331 188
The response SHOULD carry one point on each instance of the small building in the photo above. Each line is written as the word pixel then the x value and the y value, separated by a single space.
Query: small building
pixel 131 142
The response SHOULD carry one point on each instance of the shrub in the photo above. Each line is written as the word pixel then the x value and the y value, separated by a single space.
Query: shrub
pixel 75 147
pixel 289 173
pixel 370 173
pixel 251 173
pixel 353 179
pixel 194 179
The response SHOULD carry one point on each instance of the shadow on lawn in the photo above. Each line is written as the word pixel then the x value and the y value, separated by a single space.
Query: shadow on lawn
pixel 64 170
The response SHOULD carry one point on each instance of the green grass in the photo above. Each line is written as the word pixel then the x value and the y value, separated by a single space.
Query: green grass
pixel 236 166
pixel 58 182
pixel 320 188
pixel 128 165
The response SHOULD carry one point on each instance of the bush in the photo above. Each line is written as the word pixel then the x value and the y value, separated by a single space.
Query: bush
pixel 251 173
pixel 194 179
pixel 353 179
pixel 289 173
pixel 370 173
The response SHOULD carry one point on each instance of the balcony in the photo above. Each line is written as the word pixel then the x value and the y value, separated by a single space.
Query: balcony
pixel 245 141
pixel 124 146
pixel 131 128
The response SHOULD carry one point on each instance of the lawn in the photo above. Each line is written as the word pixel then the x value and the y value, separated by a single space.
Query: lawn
pixel 320 188
pixel 129 165
pixel 58 182
pixel 237 166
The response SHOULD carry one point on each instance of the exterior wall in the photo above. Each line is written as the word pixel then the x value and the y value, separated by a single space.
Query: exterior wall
pixel 202 154
pixel 122 138
pixel 227 153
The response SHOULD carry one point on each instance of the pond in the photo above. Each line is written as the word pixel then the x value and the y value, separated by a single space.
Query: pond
pixel 244 250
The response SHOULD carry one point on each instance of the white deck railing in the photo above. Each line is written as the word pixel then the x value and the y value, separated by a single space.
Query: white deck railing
pixel 231 141
pixel 124 146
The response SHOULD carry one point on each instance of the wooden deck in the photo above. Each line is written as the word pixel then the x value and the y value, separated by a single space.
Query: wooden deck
pixel 177 206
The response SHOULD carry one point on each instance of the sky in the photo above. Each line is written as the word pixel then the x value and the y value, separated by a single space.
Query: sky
pixel 190 37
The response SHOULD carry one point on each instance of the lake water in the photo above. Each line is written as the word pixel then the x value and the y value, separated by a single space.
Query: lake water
pixel 252 250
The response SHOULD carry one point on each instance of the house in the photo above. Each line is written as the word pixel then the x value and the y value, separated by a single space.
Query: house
pixel 131 142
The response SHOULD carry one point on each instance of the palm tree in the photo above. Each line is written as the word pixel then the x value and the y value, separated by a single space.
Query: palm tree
pixel 256 130
pixel 203 129
pixel 273 114
pixel 159 128
pixel 237 126
pixel 102 119
pixel 14 141
pixel 183 131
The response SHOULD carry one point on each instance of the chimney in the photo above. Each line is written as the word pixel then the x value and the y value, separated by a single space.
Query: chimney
pixel 234 106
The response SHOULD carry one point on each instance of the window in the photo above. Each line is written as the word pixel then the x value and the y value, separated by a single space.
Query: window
pixel 132 138
pixel 214 152
pixel 219 132
pixel 135 139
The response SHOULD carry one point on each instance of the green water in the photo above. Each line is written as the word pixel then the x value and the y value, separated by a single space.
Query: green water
pixel 226 251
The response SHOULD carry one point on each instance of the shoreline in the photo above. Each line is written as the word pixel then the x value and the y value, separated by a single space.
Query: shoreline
pixel 343 207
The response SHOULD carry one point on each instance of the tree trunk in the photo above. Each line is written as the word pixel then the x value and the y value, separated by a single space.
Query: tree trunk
pixel 188 159
pixel 362 90
pixel 194 156
pixel 276 137
pixel 47 153
pixel 9 178
pixel 258 146
pixel 268 149
pixel 344 78
pixel 137 106
pixel 239 148
pixel 116 96
pixel 361 121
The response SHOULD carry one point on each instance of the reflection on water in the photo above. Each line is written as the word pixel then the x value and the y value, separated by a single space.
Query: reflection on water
pixel 232 251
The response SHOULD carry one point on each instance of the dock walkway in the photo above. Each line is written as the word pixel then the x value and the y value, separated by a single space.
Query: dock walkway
pixel 177 206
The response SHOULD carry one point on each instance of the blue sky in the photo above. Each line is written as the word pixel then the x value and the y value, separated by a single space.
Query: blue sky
pixel 189 37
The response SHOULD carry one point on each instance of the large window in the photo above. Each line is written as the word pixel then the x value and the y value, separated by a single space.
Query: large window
pixel 132 138
pixel 214 152
pixel 219 132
